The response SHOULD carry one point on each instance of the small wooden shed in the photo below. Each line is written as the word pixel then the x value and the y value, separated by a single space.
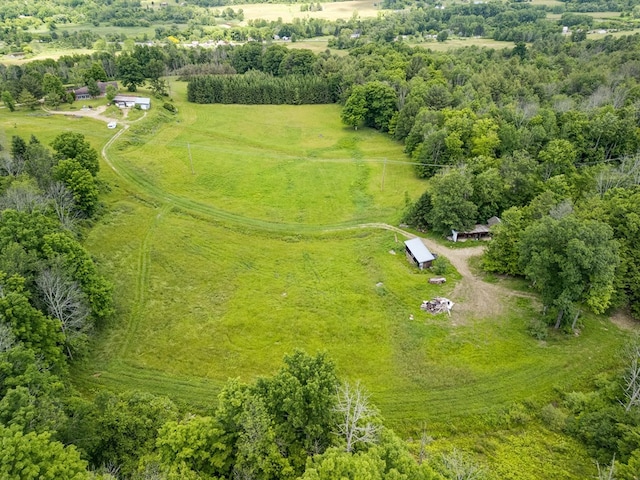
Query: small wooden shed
pixel 418 253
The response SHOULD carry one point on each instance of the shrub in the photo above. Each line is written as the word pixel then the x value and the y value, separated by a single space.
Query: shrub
pixel 170 107
pixel 538 328
pixel 553 417
pixel 441 266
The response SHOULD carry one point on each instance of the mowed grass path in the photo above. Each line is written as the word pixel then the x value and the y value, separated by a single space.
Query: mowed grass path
pixel 208 288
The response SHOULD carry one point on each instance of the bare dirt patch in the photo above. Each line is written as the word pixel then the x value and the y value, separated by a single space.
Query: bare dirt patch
pixel 472 296
pixel 96 113
pixel 623 320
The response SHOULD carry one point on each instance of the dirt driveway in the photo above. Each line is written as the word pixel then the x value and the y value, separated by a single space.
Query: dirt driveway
pixel 96 113
pixel 472 296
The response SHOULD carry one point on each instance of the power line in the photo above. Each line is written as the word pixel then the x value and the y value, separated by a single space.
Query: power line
pixel 382 160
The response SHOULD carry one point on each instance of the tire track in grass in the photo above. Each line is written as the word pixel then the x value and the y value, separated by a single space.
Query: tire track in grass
pixel 142 282
pixel 216 215
pixel 194 392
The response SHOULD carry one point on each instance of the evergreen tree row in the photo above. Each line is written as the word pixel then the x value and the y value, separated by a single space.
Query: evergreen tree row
pixel 259 89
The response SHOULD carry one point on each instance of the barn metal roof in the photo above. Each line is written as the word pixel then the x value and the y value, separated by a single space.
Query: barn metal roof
pixel 129 98
pixel 418 249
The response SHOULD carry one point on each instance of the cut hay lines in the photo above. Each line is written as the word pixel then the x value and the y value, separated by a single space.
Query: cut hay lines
pixel 142 283
pixel 192 392
pixel 216 215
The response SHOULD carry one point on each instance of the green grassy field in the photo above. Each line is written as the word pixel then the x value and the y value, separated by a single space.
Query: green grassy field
pixel 460 42
pixel 221 271
pixel 41 52
pixel 289 12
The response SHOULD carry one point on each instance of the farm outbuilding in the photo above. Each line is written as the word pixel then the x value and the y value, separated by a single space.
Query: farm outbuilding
pixel 126 101
pixel 418 253
pixel 479 232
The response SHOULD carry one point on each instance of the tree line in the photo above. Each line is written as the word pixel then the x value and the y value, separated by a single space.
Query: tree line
pixel 259 89
pixel 502 132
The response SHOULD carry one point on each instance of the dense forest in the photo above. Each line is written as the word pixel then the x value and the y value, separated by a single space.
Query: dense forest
pixel 544 134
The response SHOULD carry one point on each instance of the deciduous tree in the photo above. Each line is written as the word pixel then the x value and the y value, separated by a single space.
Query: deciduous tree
pixel 80 183
pixel 570 260
pixel 300 400
pixel 451 199
pixel 127 426
pixel 198 444
pixel 64 300
pixel 35 456
pixel 130 72
pixel 72 145
pixel 8 100
pixel 355 108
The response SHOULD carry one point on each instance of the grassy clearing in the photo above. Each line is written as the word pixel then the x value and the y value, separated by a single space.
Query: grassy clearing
pixel 104 29
pixel 595 15
pixel 200 302
pixel 217 274
pixel 549 3
pixel 286 165
pixel 597 36
pixel 47 126
pixel 42 53
pixel 288 12
pixel 460 42
pixel 316 45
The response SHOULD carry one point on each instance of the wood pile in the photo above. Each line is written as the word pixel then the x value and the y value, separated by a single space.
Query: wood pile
pixel 437 280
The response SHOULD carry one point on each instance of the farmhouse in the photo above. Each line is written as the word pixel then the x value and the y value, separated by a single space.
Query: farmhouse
pixel 479 232
pixel 418 253
pixel 124 101
pixel 82 93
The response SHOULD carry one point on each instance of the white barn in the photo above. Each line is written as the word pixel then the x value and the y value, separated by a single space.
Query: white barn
pixel 126 101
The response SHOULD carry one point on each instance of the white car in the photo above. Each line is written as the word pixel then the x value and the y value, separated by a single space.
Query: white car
pixel 112 125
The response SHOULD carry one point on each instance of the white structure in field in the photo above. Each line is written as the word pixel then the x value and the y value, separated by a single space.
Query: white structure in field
pixel 126 101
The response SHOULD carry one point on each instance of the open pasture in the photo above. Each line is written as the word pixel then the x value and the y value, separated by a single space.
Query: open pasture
pixel 460 42
pixel 47 126
pixel 288 12
pixel 42 52
pixel 278 164
pixel 220 272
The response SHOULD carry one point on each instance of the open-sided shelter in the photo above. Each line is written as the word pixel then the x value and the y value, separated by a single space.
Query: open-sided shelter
pixel 418 253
